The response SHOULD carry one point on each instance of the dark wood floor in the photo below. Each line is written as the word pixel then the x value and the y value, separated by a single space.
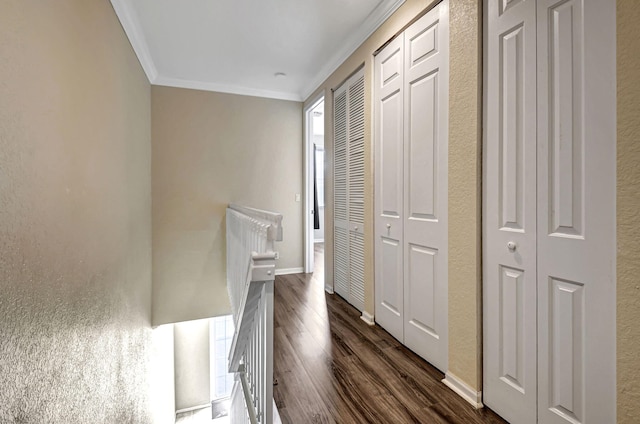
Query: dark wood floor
pixel 331 367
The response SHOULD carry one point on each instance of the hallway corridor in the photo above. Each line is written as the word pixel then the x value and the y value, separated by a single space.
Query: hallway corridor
pixel 331 367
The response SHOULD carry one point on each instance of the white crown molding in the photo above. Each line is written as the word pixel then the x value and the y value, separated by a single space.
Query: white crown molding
pixel 224 88
pixel 372 23
pixel 129 21
pixel 286 271
pixel 368 318
pixel 132 27
pixel 463 390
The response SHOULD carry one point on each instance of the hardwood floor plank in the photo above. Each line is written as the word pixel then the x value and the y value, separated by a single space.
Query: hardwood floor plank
pixel 331 367
pixel 298 405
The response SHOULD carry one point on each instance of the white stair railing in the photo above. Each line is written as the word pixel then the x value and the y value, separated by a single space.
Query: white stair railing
pixel 251 256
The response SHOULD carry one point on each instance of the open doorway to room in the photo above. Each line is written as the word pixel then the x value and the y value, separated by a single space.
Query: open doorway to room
pixel 314 185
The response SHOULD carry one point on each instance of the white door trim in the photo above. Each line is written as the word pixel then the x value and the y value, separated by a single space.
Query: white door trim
pixel 308 185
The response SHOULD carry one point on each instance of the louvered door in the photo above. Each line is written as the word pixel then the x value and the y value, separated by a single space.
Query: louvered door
pixel 349 190
pixel 341 220
pixel 355 116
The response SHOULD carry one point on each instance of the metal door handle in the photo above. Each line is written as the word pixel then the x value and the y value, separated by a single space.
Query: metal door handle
pixel 512 246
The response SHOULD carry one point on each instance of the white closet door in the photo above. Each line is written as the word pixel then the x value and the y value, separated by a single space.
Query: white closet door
pixel 355 114
pixel 388 109
pixel 576 211
pixel 509 298
pixel 340 194
pixel 573 214
pixel 426 86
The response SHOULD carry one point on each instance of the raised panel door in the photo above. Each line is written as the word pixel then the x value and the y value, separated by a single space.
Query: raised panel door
pixel 572 173
pixel 426 45
pixel 576 211
pixel 388 205
pixel 509 283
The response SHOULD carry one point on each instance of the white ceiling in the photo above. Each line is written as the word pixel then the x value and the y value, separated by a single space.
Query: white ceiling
pixel 237 46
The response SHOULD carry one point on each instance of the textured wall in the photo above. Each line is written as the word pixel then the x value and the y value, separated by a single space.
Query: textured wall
pixel 465 192
pixel 75 205
pixel 628 215
pixel 211 149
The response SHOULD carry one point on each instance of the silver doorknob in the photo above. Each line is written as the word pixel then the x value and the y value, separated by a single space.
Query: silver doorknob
pixel 512 245
pixel 388 226
pixel 355 228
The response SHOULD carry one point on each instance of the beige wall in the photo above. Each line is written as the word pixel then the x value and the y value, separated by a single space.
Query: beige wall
pixel 465 192
pixel 75 218
pixel 464 172
pixel 211 149
pixel 628 215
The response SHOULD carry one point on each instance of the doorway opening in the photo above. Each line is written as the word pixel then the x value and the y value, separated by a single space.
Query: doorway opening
pixel 314 227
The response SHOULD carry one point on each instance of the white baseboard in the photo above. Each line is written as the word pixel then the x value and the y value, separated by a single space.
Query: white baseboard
pixel 328 289
pixel 368 318
pixel 285 271
pixel 463 390
pixel 193 408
